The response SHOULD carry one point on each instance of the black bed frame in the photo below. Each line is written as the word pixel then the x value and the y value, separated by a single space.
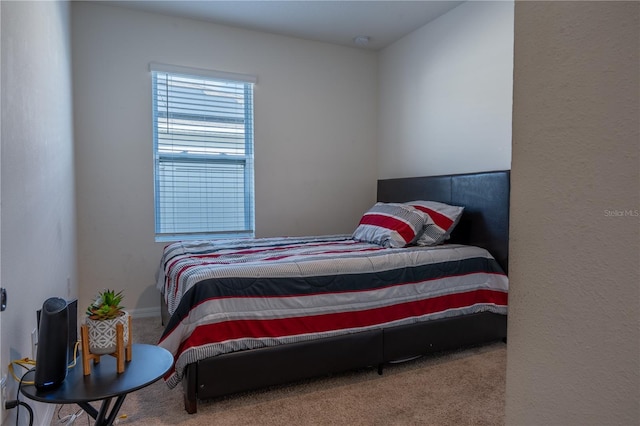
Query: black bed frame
pixel 485 223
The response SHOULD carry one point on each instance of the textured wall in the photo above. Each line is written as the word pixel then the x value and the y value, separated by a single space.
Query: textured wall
pixel 445 94
pixel 315 121
pixel 38 197
pixel 574 353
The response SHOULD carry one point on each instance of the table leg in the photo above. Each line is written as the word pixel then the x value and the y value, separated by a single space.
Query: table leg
pixel 114 411
pixel 104 407
pixel 88 408
pixel 104 417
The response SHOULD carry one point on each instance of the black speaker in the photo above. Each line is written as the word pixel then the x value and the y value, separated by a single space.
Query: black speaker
pixel 72 306
pixel 53 338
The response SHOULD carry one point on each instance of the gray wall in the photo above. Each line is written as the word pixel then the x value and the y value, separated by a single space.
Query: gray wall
pixel 315 135
pixel 38 248
pixel 574 348
pixel 573 328
pixel 446 92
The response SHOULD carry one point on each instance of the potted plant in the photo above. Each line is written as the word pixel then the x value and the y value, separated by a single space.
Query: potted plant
pixel 103 314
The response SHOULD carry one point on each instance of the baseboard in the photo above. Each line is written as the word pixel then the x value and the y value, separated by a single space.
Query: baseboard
pixel 42 413
pixel 144 312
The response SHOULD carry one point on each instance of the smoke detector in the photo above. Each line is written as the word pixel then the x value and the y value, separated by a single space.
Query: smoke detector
pixel 361 40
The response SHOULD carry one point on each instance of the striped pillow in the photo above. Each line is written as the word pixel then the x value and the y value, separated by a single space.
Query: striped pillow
pixel 442 219
pixel 390 225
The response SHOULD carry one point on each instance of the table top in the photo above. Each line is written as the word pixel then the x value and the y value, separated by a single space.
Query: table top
pixel 148 364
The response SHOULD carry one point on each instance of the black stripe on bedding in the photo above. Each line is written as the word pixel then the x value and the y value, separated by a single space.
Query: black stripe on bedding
pixel 292 286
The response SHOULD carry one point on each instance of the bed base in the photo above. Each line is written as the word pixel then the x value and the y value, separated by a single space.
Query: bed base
pixel 259 368
pixel 485 223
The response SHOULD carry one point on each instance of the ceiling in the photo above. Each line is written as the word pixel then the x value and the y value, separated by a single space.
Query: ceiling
pixel 338 22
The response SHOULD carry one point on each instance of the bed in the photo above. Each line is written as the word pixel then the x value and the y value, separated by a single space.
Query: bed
pixel 311 306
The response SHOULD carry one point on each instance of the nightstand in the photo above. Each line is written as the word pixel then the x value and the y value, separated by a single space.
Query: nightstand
pixel 148 364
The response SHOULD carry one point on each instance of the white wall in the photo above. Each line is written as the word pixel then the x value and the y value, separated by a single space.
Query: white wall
pixel 315 135
pixel 445 95
pixel 38 251
pixel 574 303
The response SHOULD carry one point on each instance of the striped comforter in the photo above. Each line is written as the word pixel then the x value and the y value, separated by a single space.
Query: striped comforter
pixel 234 295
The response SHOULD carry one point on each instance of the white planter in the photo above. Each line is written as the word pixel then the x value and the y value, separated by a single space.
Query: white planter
pixel 102 334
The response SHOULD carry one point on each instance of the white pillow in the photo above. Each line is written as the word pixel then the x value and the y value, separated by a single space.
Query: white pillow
pixel 442 219
pixel 390 225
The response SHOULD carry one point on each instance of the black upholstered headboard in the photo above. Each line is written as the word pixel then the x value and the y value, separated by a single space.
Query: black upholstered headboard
pixel 485 197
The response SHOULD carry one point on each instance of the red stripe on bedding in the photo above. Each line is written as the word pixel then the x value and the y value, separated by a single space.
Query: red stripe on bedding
pixel 228 252
pixel 283 327
pixel 184 268
pixel 438 218
pixel 406 232
pixel 268 249
pixel 285 256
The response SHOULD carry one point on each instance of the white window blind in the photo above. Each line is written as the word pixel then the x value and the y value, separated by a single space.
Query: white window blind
pixel 203 148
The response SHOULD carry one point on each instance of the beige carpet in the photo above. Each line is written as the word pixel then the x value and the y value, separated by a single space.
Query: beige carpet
pixel 457 388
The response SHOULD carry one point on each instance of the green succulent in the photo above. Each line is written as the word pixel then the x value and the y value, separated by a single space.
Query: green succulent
pixel 106 305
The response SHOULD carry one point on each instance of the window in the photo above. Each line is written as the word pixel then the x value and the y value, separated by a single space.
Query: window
pixel 203 150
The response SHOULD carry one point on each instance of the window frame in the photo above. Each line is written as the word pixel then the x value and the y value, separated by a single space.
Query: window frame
pixel 205 158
